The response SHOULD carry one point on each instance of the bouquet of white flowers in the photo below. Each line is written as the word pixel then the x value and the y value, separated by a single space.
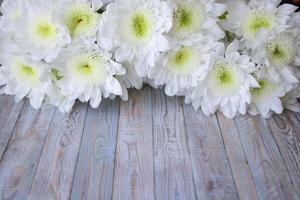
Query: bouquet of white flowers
pixel 235 57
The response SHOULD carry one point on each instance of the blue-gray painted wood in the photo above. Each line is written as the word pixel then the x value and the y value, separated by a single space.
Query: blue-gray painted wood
pixel 151 147
pixel 23 152
pixel 172 161
pixel 95 166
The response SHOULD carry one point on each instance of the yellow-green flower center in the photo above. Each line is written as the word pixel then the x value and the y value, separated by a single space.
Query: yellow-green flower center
pixel 281 50
pixel 184 60
pixel 256 20
pixel 26 69
pixel 25 73
pixel 188 18
pixel 140 25
pixel 224 75
pixel 263 83
pixel 181 57
pixel 223 79
pixel 85 68
pixel 80 18
pixel 136 27
pixel 88 67
pixel 184 17
pixel 43 32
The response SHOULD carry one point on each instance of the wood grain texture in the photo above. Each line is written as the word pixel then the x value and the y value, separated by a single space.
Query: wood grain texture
pixel 267 166
pixel 173 170
pixel 9 113
pixel 151 147
pixel 212 174
pixel 95 166
pixel 134 173
pixel 54 176
pixel 24 150
pixel 286 132
pixel 238 162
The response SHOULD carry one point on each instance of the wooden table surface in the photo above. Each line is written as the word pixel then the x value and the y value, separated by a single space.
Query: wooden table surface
pixel 151 147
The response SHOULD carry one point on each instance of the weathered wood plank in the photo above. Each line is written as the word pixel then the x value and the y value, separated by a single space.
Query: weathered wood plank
pixel 95 166
pixel 267 166
pixel 24 150
pixel 173 171
pixel 212 173
pixel 54 176
pixel 134 173
pixel 237 159
pixel 9 113
pixel 286 131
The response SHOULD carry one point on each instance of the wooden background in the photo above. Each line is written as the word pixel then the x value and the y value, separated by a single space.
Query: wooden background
pixel 151 147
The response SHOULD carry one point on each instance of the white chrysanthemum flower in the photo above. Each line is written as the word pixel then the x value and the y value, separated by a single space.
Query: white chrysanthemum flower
pixel 255 20
pixel 87 74
pixel 291 99
pixel 25 78
pixel 184 66
pixel 227 86
pixel 194 18
pixel 281 52
pixel 266 98
pixel 31 25
pixel 40 34
pixel 134 29
pixel 278 55
pixel 81 17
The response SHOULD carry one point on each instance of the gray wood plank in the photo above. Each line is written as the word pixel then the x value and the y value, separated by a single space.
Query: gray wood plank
pixel 173 170
pixel 94 171
pixel 267 166
pixel 134 173
pixel 54 176
pixel 286 131
pixel 212 173
pixel 24 150
pixel 9 113
pixel 237 159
